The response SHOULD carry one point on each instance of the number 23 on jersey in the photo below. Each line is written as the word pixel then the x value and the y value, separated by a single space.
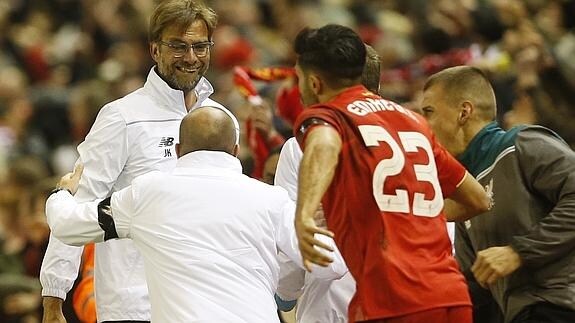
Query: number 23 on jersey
pixel 394 165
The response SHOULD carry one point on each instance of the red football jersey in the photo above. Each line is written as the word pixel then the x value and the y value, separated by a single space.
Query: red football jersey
pixel 385 206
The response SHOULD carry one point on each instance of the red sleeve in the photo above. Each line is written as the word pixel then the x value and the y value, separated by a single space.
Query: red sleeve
pixel 449 171
pixel 314 116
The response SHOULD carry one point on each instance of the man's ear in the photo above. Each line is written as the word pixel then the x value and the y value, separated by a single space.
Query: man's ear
pixel 465 112
pixel 236 151
pixel 155 51
pixel 177 147
pixel 316 83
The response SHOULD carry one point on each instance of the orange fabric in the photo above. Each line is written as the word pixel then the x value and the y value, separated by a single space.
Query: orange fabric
pixel 83 300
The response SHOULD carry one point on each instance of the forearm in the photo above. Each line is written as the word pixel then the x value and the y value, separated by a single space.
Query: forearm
pixel 552 238
pixel 457 212
pixel 467 201
pixel 316 172
pixel 52 309
pixel 52 303
pixel 59 268
pixel 72 223
pixel 454 211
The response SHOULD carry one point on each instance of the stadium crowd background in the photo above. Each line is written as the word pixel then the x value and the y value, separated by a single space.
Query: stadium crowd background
pixel 61 60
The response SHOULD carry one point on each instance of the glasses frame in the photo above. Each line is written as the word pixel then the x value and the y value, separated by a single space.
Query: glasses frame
pixel 174 48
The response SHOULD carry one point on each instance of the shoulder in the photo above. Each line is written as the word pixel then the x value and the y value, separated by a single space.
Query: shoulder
pixel 139 105
pixel 536 140
pixel 315 114
pixel 121 112
pixel 534 134
pixel 542 146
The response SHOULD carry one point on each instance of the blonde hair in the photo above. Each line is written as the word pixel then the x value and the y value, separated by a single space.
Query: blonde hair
pixel 180 13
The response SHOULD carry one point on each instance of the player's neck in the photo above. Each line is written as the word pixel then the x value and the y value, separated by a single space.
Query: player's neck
pixel 329 94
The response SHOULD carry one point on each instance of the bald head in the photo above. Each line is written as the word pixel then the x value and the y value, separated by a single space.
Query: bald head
pixel 208 128
pixel 466 83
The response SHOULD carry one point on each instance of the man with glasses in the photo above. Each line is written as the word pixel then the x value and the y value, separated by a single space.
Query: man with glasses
pixel 130 137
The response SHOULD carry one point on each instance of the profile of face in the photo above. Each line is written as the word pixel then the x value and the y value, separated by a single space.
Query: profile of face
pixel 442 117
pixel 179 64
pixel 308 96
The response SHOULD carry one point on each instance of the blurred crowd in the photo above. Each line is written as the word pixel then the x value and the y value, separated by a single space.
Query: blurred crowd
pixel 62 60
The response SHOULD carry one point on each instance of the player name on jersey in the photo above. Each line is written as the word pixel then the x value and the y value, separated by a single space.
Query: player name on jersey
pixel 369 105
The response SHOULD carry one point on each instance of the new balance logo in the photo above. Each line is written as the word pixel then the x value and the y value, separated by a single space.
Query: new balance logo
pixel 166 142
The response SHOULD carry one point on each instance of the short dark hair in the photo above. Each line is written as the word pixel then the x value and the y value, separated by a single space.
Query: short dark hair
pixel 334 51
pixel 466 83
pixel 180 13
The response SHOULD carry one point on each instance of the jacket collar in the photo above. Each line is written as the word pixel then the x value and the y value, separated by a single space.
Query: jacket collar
pixel 485 147
pixel 203 161
pixel 173 99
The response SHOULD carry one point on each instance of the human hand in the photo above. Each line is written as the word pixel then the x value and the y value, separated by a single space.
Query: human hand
pixel 53 310
pixel 306 229
pixel 495 263
pixel 71 181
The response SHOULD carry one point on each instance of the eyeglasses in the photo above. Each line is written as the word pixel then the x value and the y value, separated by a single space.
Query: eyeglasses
pixel 180 49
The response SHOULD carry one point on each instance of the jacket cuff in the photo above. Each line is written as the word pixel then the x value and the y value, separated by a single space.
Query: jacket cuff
pixel 54 292
pixel 522 251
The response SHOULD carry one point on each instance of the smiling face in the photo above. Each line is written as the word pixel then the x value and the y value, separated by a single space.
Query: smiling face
pixel 181 73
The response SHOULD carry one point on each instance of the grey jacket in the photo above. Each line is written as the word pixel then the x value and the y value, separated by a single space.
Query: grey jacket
pixel 531 173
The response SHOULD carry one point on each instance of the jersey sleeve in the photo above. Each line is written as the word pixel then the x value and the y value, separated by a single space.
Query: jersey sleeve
pixel 103 154
pixel 123 208
pixel 292 276
pixel 288 167
pixel 548 168
pixel 71 222
pixel 291 279
pixel 316 116
pixel 449 171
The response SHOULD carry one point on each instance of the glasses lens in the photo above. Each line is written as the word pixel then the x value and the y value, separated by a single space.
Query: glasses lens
pixel 177 49
pixel 180 49
pixel 201 50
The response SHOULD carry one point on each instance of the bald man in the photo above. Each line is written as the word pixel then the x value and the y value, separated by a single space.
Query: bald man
pixel 209 235
pixel 523 249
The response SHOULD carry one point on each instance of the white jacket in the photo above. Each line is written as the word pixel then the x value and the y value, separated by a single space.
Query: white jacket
pixel 321 300
pixel 209 236
pixel 131 136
